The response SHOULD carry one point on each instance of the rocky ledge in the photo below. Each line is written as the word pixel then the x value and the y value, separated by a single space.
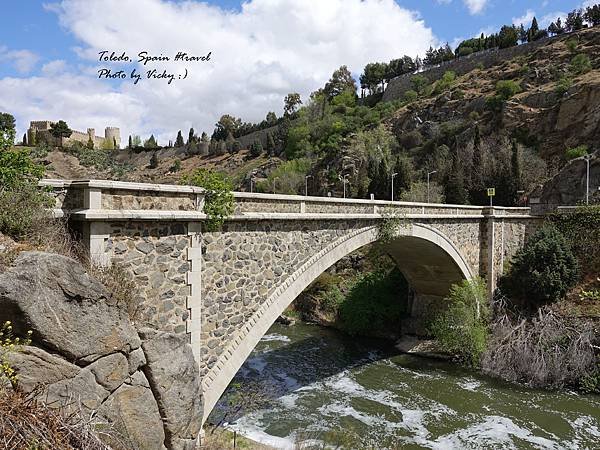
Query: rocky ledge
pixel 86 356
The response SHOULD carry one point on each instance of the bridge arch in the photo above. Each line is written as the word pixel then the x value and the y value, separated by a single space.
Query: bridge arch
pixel 429 260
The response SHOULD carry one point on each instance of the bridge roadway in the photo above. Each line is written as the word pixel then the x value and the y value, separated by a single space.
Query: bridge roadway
pixel 224 289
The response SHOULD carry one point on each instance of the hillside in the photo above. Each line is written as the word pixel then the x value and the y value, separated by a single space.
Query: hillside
pixel 506 123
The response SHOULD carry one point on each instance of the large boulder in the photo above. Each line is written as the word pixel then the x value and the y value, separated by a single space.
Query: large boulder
pixel 65 307
pixel 86 357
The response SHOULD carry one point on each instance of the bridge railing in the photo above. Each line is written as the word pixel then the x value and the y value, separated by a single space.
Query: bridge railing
pixel 97 199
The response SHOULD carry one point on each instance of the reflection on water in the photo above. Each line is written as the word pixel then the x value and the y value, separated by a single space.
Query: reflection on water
pixel 319 381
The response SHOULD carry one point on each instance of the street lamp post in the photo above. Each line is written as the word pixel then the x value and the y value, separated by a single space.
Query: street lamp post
pixel 393 176
pixel 344 181
pixel 587 180
pixel 306 184
pixel 428 175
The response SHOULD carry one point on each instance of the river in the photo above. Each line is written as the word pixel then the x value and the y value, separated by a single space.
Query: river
pixel 314 382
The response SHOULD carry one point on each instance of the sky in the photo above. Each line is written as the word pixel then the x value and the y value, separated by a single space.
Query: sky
pixel 255 51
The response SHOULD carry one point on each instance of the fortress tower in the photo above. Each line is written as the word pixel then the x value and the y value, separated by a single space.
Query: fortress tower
pixel 111 133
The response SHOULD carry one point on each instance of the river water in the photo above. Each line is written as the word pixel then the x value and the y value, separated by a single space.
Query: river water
pixel 313 382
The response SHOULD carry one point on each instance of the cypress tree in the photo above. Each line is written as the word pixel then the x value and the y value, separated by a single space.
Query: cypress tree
pixel 179 141
pixel 25 139
pixel 130 144
pixel 191 137
pixel 270 144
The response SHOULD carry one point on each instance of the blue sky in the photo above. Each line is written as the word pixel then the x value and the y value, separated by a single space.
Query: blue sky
pixel 283 45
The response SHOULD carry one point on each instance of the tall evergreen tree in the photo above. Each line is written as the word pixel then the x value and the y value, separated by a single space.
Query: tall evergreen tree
pixel 533 30
pixel 455 191
pixel 517 174
pixel 270 145
pixel 179 140
pixel 191 137
pixel 25 139
pixel 130 143
pixel 476 183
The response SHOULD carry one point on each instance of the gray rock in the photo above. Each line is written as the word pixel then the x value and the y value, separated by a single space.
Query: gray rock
pixel 35 366
pixel 133 412
pixel 136 360
pixel 66 309
pixel 110 371
pixel 78 393
pixel 145 247
pixel 174 377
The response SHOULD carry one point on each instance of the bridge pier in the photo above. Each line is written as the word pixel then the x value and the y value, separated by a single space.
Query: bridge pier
pixel 224 289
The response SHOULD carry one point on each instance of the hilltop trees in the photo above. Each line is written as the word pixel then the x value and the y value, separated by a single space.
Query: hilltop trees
pixel 151 142
pixel 592 15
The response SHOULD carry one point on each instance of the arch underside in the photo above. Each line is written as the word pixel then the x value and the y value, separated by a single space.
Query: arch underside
pixel 428 259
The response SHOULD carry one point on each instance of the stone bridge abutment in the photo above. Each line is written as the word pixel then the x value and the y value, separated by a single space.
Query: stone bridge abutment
pixel 224 289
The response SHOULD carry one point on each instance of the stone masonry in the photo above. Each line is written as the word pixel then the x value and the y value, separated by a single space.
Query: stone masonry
pixel 224 289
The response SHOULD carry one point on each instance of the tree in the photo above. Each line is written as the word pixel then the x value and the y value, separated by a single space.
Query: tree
pixel 226 124
pixel 341 81
pixel 553 28
pixel 256 149
pixel 60 130
pixel 90 143
pixel 522 34
pixel 151 142
pixel 508 36
pixel 533 30
pixel 271 118
pixel 154 161
pixel 291 102
pixel 517 173
pixel 476 182
pixel 560 29
pixel 191 137
pixel 179 140
pixel 7 131
pixel 574 20
pixel 455 185
pixel 592 15
pixel 130 143
pixel 25 139
pixel 137 141
pixel 115 143
pixel 542 271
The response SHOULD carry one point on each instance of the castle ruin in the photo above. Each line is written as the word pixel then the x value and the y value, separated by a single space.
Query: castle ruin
pixel 39 131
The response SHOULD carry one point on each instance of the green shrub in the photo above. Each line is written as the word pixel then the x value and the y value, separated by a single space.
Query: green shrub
pixel 372 302
pixel 505 89
pixel 564 84
pixel 410 96
pixel 419 82
pixel 581 64
pixel 542 271
pixel 576 152
pixel 445 82
pixel 218 196
pixel 462 329
pixel 17 167
pixel 572 45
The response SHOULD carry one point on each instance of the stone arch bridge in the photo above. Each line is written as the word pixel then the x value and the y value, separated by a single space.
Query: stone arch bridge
pixel 226 288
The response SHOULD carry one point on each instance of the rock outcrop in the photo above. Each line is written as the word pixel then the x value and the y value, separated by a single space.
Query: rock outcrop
pixel 86 356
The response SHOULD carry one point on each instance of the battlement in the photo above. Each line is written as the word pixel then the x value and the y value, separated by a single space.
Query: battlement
pixel 39 131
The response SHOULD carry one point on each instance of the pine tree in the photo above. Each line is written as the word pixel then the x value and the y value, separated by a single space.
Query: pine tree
pixel 455 185
pixel 533 30
pixel 130 144
pixel 191 137
pixel 151 142
pixel 179 140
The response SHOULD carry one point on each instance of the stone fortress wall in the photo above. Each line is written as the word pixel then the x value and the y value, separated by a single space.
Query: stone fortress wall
pixel 487 58
pixel 39 131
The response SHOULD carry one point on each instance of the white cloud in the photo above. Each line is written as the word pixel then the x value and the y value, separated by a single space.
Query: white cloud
pixel 22 60
pixel 259 54
pixel 547 19
pixel 525 19
pixel 475 6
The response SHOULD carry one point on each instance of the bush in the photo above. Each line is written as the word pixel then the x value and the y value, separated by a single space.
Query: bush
pixel 576 152
pixel 505 89
pixel 542 271
pixel 419 82
pixel 372 302
pixel 21 208
pixel 218 196
pixel 16 168
pixel 581 64
pixel 572 45
pixel 462 329
pixel 410 96
pixel 445 82
pixel 564 84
